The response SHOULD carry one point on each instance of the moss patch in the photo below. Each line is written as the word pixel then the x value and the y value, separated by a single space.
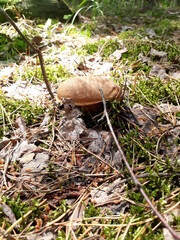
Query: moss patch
pixel 54 74
pixel 11 109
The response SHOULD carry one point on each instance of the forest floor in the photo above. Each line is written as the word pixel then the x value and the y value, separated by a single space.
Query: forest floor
pixel 68 181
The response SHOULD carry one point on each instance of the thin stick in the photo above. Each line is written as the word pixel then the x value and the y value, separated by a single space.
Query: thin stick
pixel 127 228
pixel 35 49
pixel 136 182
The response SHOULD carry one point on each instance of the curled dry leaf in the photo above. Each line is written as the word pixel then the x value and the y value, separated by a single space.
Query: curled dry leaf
pixel 84 90
pixel 158 71
pixel 9 213
pixel 158 54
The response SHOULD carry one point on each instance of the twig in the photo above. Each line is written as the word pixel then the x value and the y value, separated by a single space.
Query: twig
pixel 127 228
pixel 136 182
pixel 119 230
pixel 35 49
pixel 69 229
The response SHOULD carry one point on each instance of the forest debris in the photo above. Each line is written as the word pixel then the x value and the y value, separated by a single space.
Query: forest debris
pixel 175 212
pixel 26 158
pixel 173 150
pixel 78 214
pixel 158 71
pixel 144 59
pixel 47 24
pixel 104 68
pixel 82 67
pixel 97 141
pixel 107 140
pixel 145 117
pixel 151 33
pixel 107 193
pixel 7 73
pixel 20 124
pixel 34 164
pixel 167 234
pixel 126 28
pixel 44 236
pixel 160 55
pixel 168 108
pixel 176 75
pixel 117 160
pixel 118 53
pixel 9 213
pixel 72 129
pixel 20 90
pixel 26 153
pixel 16 149
pixel 4 143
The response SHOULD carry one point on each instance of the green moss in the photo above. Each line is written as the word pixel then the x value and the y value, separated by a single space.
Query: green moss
pixel 157 90
pixel 14 108
pixel 128 34
pixel 79 30
pixel 92 48
pixel 62 208
pixel 92 211
pixel 55 73
pixel 61 235
pixel 106 48
pixel 9 48
pixel 166 27
pixel 136 43
pixel 20 208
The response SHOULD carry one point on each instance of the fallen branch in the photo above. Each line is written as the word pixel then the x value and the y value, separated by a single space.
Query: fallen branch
pixel 136 182
pixel 35 49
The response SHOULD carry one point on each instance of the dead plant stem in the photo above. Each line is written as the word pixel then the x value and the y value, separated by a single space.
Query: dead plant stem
pixel 35 49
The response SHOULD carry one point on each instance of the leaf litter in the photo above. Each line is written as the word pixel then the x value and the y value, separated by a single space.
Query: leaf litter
pixel 63 158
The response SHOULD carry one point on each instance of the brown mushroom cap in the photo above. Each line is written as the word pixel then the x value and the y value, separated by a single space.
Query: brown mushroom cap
pixel 84 90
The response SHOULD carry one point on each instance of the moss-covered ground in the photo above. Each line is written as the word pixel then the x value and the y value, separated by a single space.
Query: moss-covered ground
pixel 153 155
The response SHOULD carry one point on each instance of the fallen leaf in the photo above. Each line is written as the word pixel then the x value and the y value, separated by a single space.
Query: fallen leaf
pixel 118 53
pixel 158 54
pixel 9 213
pixel 151 33
pixel 158 71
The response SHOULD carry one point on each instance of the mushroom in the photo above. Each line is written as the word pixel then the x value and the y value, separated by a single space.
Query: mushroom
pixel 84 90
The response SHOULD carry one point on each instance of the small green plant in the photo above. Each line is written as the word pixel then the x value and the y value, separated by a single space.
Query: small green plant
pixel 20 208
pixel 12 108
pixel 62 208
pixel 92 211
pixel 61 235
